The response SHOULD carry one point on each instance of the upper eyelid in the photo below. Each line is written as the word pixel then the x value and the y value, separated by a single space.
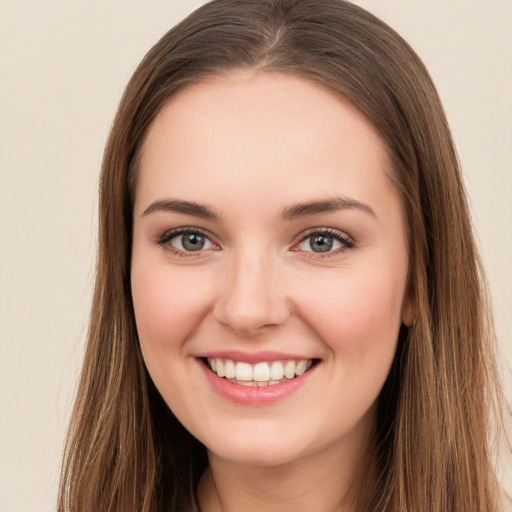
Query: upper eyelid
pixel 322 230
pixel 171 233
pixel 163 241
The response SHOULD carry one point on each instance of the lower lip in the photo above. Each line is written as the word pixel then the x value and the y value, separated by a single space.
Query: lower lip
pixel 253 395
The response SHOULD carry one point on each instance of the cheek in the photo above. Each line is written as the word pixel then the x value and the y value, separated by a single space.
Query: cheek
pixel 358 319
pixel 358 314
pixel 168 305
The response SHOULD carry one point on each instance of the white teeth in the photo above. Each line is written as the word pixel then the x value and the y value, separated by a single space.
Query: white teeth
pixel 220 368
pixel 301 367
pixel 289 369
pixel 259 374
pixel 253 383
pixel 277 370
pixel 229 369
pixel 243 371
pixel 249 383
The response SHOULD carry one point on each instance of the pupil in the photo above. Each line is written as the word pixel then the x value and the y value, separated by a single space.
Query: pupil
pixel 321 243
pixel 193 242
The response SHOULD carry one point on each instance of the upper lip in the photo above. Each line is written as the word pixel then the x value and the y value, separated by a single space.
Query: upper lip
pixel 253 357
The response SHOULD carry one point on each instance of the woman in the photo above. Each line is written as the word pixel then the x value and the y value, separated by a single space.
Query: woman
pixel 278 320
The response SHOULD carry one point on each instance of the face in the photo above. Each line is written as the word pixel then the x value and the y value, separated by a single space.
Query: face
pixel 269 268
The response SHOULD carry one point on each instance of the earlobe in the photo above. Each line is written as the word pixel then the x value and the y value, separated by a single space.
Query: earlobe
pixel 408 316
pixel 409 310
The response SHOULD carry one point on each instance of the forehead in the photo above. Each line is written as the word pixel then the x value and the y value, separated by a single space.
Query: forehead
pixel 234 133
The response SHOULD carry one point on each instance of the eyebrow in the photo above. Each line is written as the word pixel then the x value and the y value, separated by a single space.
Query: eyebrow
pixel 310 208
pixel 296 211
pixel 186 207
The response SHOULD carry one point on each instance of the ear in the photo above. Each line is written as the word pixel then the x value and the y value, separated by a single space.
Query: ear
pixel 409 309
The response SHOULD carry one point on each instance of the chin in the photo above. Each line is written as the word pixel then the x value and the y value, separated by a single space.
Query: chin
pixel 257 456
pixel 260 445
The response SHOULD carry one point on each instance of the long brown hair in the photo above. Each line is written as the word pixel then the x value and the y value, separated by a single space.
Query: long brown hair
pixel 126 451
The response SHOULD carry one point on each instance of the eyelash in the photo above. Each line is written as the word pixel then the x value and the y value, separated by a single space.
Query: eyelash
pixel 165 239
pixel 344 240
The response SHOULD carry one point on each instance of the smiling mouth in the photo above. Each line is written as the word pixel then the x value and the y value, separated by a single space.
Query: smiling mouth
pixel 260 374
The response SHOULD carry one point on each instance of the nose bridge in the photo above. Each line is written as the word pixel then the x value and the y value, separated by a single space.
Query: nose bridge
pixel 252 295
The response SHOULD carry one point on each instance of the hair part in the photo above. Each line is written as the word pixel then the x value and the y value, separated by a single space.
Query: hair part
pixel 126 450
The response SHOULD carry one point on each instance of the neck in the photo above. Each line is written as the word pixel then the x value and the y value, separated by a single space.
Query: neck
pixel 327 481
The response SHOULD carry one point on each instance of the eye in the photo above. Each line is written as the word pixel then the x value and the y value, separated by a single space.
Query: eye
pixel 186 241
pixel 325 241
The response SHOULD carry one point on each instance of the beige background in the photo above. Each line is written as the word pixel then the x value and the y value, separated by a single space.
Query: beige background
pixel 63 66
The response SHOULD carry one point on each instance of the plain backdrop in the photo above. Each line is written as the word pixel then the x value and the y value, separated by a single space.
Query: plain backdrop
pixel 63 67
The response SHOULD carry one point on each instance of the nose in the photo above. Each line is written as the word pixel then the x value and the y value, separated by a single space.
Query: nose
pixel 252 297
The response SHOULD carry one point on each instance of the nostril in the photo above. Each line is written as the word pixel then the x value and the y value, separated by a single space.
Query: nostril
pixel 251 301
pixel 250 321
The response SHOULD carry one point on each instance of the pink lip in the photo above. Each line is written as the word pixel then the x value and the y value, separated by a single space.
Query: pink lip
pixel 253 358
pixel 250 395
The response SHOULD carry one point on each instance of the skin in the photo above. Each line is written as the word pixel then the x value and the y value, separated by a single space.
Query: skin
pixel 249 145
